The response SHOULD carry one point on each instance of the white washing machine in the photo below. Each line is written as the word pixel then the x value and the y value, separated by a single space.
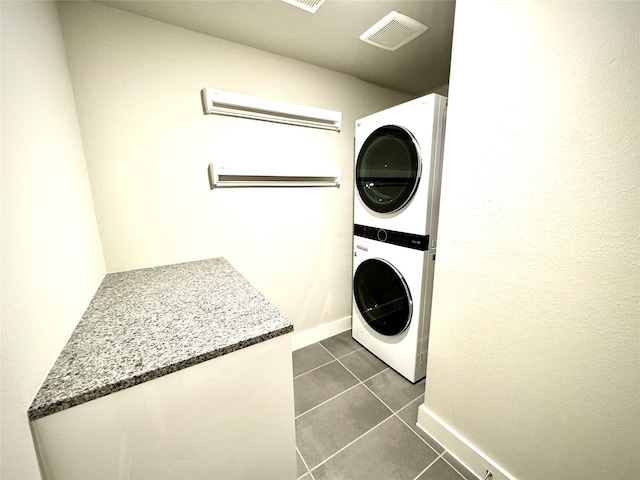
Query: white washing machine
pixel 392 288
pixel 399 167
pixel 398 173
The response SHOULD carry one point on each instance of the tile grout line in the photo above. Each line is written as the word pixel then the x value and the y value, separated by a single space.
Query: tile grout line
pixel 346 354
pixel 350 443
pixel 326 401
pixel 417 398
pixel 337 359
pixel 382 401
pixel 360 382
pixel 414 431
pixel 429 466
pixel 441 455
pixel 327 363
pixel 393 414
pixel 305 464
pixel 315 368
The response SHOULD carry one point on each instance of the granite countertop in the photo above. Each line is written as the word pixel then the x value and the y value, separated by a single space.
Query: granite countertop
pixel 146 323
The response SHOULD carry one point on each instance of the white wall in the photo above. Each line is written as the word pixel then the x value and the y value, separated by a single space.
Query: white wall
pixel 137 84
pixel 534 349
pixel 52 259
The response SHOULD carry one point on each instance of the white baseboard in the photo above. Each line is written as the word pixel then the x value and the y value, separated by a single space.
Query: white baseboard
pixel 459 447
pixel 313 335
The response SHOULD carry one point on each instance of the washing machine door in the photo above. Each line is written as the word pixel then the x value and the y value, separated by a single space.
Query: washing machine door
pixel 382 296
pixel 388 169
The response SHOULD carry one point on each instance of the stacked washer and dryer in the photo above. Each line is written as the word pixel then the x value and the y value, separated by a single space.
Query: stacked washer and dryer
pixel 398 173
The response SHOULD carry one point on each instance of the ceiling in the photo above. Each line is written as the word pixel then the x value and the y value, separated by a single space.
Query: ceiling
pixel 328 38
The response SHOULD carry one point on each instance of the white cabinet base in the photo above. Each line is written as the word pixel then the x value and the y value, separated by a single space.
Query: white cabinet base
pixel 227 418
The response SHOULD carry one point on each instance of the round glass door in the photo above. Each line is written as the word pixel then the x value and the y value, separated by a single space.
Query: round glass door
pixel 388 169
pixel 382 296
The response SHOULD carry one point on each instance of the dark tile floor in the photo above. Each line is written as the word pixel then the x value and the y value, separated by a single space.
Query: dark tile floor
pixel 356 418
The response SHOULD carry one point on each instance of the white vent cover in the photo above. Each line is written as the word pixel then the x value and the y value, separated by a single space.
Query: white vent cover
pixel 308 5
pixel 393 31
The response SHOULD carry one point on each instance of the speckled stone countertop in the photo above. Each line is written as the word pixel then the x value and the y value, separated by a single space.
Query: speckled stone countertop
pixel 146 323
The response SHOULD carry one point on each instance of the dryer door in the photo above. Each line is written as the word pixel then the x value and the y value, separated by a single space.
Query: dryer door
pixel 382 296
pixel 388 169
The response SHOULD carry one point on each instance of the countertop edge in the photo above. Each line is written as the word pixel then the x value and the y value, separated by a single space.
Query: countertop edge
pixel 49 409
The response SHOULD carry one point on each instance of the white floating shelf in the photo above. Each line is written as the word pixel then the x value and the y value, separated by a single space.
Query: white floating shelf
pixel 221 102
pixel 222 176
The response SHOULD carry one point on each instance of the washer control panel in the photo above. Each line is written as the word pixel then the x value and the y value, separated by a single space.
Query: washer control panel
pixel 409 240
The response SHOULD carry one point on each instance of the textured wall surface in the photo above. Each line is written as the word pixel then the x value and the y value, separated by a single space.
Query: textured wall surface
pixel 52 259
pixel 534 349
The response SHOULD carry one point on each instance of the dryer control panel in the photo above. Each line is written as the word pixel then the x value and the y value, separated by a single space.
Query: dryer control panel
pixel 409 240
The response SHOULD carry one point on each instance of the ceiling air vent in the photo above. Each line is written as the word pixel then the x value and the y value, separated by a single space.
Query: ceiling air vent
pixel 308 5
pixel 393 31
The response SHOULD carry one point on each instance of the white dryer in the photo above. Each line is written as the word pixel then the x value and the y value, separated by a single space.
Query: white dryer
pixel 398 171
pixel 399 167
pixel 392 288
